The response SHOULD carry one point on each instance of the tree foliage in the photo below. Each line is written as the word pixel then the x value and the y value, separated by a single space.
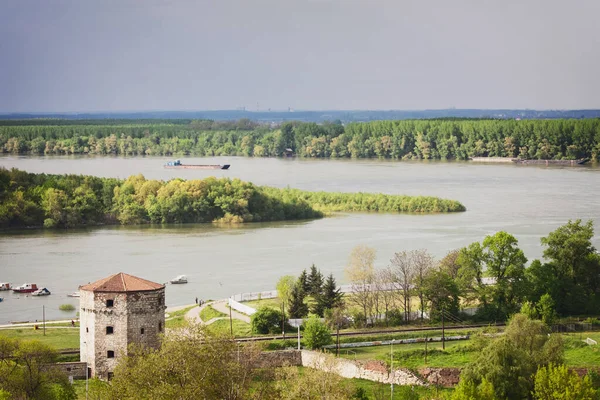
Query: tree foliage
pixel 557 382
pixel 266 320
pixel 26 371
pixel 316 333
pixel 404 139
pixel 74 200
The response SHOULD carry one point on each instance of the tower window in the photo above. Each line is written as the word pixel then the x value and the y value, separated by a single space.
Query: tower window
pixel 160 326
pixel 110 354
pixel 110 303
pixel 87 330
pixel 142 331
pixel 111 375
pixel 109 330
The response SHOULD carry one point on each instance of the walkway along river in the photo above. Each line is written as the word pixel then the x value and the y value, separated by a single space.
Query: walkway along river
pixel 527 201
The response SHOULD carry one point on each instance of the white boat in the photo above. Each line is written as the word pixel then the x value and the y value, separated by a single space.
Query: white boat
pixel 41 292
pixel 179 279
pixel 74 294
pixel 26 288
pixel 5 286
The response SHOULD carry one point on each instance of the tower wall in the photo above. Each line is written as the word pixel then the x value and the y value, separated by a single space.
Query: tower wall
pixel 146 310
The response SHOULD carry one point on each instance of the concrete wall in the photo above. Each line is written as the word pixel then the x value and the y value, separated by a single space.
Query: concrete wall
pixel 372 370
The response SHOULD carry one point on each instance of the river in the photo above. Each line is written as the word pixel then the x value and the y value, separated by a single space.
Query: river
pixel 526 201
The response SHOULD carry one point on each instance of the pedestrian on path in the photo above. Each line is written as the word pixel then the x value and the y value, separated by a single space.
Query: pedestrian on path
pixel 196 300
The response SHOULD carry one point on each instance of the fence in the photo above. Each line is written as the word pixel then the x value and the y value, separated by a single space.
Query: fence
pixel 271 294
pixel 241 307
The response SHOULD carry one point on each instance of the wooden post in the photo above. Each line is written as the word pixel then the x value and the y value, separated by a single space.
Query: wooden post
pixel 230 320
pixel 443 337
pixel 44 318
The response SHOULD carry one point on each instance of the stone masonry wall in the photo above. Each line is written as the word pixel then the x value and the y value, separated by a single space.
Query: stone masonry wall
pixel 117 318
pixel 146 310
pixel 275 359
pixel 74 369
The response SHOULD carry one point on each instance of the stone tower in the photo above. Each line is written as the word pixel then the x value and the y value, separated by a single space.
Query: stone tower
pixel 114 313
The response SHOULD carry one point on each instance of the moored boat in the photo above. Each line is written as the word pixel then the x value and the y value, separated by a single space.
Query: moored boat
pixel 1 299
pixel 26 288
pixel 41 292
pixel 179 279
pixel 178 164
pixel 74 294
pixel 5 286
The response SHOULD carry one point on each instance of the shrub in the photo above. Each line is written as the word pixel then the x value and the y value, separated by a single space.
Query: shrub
pixel 66 307
pixel 266 320
pixel 316 333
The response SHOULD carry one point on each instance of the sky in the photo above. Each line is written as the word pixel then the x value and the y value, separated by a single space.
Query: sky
pixel 137 55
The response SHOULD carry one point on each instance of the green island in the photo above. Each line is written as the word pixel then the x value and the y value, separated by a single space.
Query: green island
pixel 34 200
pixel 445 139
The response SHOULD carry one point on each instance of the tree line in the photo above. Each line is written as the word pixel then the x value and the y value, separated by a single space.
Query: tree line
pixel 445 139
pixel 29 200
pixel 489 276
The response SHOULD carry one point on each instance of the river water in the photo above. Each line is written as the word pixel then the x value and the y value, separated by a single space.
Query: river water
pixel 526 201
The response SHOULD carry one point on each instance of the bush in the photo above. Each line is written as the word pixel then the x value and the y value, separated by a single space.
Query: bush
pixel 316 333
pixel 66 307
pixel 266 320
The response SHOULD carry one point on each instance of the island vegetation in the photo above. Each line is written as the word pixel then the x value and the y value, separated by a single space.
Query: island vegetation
pixel 445 139
pixel 29 200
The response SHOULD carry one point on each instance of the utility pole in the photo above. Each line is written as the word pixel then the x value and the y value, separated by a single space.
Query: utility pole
pixel 337 349
pixel 425 350
pixel 443 337
pixel 230 320
pixel 283 319
pixel 298 336
pixel 44 318
pixel 392 369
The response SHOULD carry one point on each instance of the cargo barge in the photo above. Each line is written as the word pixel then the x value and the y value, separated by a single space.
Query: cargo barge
pixel 178 165
pixel 532 162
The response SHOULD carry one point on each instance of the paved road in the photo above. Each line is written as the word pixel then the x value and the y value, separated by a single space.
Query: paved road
pixel 220 305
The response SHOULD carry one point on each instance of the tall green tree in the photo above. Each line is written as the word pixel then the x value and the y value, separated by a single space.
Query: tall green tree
pixel 499 259
pixel 557 382
pixel 315 281
pixel 329 297
pixel 441 294
pixel 297 307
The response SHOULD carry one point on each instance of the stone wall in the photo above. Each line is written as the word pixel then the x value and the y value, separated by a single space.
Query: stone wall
pixel 372 370
pixel 146 310
pixel 275 359
pixel 74 369
pixel 446 377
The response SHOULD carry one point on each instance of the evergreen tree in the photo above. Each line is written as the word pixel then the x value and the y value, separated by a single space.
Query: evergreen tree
pixel 315 281
pixel 304 281
pixel 329 297
pixel 296 306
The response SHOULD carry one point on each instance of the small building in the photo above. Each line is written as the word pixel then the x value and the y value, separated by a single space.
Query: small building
pixel 115 312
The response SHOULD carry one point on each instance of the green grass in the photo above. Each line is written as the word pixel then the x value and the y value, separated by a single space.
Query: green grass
pixel 177 319
pixel 240 328
pixel 376 390
pixel 63 338
pixel 209 313
pixel 457 354
pixel 580 354
pixel 272 303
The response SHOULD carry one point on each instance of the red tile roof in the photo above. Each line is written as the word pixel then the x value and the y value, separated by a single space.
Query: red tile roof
pixel 122 282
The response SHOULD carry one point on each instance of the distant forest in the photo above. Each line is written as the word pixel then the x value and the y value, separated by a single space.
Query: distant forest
pixel 449 138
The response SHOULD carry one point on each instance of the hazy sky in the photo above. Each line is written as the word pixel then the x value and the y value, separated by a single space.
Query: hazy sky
pixel 111 55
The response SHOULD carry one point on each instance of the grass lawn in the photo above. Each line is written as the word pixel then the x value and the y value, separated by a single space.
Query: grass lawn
pixel 457 354
pixel 272 303
pixel 376 390
pixel 240 328
pixel 580 354
pixel 59 338
pixel 177 318
pixel 209 313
